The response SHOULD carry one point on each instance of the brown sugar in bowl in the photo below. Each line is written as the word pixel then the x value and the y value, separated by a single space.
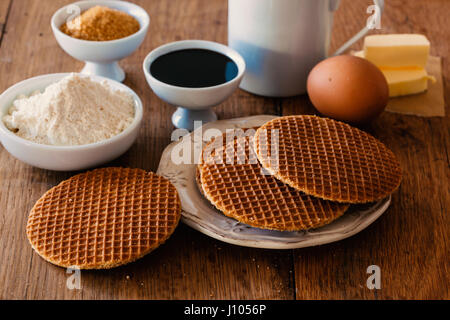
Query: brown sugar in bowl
pixel 101 23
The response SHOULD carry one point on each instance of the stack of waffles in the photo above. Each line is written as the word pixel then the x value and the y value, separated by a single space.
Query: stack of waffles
pixel 295 172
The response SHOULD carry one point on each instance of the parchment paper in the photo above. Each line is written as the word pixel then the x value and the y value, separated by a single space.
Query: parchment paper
pixel 428 104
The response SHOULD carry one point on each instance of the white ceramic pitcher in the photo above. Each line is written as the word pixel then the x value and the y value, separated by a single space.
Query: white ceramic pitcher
pixel 282 40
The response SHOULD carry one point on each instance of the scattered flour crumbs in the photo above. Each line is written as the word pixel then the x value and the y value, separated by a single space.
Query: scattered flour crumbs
pixel 73 111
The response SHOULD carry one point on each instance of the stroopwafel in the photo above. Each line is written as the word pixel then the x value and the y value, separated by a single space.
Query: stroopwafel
pixel 233 181
pixel 327 159
pixel 216 143
pixel 103 218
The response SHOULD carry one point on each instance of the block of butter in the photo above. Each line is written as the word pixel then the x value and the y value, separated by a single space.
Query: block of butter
pixel 397 50
pixel 406 81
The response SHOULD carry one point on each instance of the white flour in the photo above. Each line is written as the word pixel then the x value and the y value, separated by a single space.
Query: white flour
pixel 73 111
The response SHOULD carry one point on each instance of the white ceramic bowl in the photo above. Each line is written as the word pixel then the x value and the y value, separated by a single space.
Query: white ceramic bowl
pixel 100 56
pixel 193 103
pixel 65 158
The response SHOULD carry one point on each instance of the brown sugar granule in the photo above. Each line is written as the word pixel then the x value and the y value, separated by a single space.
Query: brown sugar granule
pixel 101 24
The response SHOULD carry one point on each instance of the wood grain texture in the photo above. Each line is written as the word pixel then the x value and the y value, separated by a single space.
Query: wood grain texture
pixel 4 11
pixel 409 243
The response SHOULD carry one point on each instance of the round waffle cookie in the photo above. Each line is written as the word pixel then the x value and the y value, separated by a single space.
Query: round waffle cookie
pixel 233 181
pixel 103 218
pixel 327 159
pixel 218 142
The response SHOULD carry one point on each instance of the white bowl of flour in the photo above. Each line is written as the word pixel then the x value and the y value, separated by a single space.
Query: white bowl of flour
pixel 69 122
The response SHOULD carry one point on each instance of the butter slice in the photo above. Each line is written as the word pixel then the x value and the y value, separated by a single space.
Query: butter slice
pixel 359 54
pixel 406 81
pixel 397 50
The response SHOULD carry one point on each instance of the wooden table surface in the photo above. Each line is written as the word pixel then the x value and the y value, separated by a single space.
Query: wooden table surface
pixel 410 242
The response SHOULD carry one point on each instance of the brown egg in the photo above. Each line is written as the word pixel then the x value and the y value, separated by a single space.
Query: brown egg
pixel 348 88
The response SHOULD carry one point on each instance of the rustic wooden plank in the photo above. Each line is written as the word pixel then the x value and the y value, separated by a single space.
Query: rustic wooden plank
pixel 190 265
pixel 410 241
pixel 4 10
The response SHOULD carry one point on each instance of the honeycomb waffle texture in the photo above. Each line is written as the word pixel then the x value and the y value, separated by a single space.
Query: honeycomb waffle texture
pixel 218 142
pixel 328 159
pixel 233 181
pixel 103 218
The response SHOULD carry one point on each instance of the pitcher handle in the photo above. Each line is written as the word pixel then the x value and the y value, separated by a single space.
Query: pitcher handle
pixel 362 32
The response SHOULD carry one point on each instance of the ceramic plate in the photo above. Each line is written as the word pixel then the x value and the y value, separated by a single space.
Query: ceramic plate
pixel 198 213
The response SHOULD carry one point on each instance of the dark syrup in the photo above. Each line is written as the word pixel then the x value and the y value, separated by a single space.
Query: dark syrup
pixel 194 68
